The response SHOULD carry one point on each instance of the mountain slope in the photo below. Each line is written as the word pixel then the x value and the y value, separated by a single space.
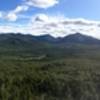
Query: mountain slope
pixel 80 39
pixel 45 38
pixel 73 38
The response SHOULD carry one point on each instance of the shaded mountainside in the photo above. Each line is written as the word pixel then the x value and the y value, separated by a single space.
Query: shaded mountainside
pixel 80 39
pixel 29 39
pixel 47 45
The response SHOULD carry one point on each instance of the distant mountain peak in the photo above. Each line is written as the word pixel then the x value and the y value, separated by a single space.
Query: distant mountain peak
pixel 78 34
pixel 46 37
pixel 80 38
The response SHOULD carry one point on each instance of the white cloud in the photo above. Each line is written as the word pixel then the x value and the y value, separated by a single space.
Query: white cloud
pixel 14 14
pixel 1 14
pixel 40 18
pixel 11 16
pixel 80 21
pixel 56 26
pixel 42 3
pixel 20 8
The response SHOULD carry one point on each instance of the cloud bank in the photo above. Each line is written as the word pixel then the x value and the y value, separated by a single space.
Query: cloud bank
pixel 55 26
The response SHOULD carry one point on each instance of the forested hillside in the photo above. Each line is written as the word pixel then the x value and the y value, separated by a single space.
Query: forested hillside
pixel 47 68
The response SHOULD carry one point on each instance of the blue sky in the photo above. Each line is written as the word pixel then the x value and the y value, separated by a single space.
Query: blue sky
pixel 70 8
pixel 60 17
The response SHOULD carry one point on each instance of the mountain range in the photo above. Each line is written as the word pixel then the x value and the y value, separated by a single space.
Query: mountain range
pixel 46 45
pixel 19 38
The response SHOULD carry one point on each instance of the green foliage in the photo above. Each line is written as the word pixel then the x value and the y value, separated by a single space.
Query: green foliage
pixel 49 72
